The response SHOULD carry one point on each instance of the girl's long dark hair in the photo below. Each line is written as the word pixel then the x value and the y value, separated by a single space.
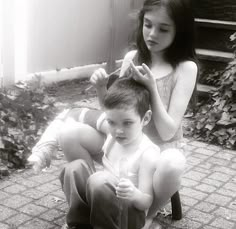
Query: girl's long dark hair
pixel 182 48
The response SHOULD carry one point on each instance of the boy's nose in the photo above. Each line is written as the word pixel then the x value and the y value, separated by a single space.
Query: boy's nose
pixel 119 131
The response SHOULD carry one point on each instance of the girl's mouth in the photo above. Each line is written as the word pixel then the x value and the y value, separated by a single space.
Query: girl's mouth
pixel 151 42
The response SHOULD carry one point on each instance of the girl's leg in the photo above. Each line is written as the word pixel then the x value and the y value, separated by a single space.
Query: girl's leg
pixel 106 207
pixel 74 179
pixel 80 141
pixel 167 178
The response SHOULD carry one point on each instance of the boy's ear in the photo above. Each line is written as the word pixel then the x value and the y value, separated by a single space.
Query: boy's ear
pixel 147 117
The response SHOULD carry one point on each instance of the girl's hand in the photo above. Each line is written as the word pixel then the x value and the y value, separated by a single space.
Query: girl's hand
pixel 143 75
pixel 125 189
pixel 99 78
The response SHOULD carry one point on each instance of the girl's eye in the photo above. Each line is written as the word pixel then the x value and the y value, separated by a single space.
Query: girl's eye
pixel 147 25
pixel 163 30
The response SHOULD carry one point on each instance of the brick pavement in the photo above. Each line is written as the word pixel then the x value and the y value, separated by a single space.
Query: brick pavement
pixel 208 194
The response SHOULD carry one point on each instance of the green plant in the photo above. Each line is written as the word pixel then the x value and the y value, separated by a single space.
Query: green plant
pixel 24 113
pixel 215 120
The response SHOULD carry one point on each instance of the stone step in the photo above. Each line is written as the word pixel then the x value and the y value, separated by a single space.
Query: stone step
pixel 213 55
pixel 215 9
pixel 205 90
pixel 214 34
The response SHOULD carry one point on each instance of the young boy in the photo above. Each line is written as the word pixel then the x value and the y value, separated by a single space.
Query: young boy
pixel 95 197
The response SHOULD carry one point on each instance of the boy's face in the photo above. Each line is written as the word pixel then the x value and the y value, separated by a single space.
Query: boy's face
pixel 125 125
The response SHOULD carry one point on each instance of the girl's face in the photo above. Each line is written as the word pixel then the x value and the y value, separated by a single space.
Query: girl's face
pixel 125 125
pixel 158 30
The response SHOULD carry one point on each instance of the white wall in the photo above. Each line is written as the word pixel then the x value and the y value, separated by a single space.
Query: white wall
pixel 69 33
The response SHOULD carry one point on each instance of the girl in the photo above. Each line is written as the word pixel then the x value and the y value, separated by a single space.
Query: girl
pixel 167 67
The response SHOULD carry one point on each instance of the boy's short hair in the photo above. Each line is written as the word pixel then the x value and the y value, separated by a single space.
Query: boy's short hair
pixel 125 92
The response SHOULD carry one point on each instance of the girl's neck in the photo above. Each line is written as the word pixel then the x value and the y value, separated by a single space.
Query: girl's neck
pixel 159 66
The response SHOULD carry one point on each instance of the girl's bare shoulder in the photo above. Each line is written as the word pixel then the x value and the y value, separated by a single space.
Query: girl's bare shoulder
pixel 187 66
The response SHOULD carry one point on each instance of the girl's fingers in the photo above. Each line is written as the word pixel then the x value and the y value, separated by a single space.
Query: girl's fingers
pixel 147 69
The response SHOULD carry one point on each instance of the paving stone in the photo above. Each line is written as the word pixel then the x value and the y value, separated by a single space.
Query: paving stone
pixel 3 195
pixel 222 223
pixel 215 183
pixel 52 214
pixel 218 199
pixel 199 216
pixel 231 186
pixel 202 170
pixel 186 223
pixel 194 175
pixel 206 165
pixel 48 187
pixel 226 192
pixel 5 183
pixel 205 207
pixel 205 151
pixel 217 161
pixel 185 200
pixel 213 147
pixel 33 209
pixel 206 188
pixel 193 160
pixel 198 144
pixel 37 224
pixel 219 176
pixel 194 193
pixel 43 178
pixel 225 170
pixel 224 155
pixel 4 226
pixel 15 188
pixel 34 193
pixel 26 182
pixel 188 182
pixel 226 213
pixel 16 201
pixel 18 219
pixel 48 201
pixel 6 212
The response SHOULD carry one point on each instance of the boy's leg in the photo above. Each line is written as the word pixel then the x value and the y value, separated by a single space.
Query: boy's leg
pixel 106 207
pixel 74 179
pixel 167 178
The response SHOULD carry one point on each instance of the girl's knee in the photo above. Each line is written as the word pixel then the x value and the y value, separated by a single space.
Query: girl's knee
pixel 173 161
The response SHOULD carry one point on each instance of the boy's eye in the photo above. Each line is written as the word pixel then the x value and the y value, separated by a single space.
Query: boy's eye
pixel 111 123
pixel 128 123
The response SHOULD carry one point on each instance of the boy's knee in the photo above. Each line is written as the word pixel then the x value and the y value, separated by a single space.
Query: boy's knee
pixel 98 185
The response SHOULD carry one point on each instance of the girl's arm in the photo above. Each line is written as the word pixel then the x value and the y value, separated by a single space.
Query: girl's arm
pixel 168 121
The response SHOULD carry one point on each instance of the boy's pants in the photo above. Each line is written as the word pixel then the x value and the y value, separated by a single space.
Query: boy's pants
pixel 92 199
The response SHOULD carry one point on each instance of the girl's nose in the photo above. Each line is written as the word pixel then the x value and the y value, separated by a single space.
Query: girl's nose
pixel 153 33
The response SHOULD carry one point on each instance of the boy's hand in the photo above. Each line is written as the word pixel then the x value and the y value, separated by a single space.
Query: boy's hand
pixel 99 78
pixel 125 189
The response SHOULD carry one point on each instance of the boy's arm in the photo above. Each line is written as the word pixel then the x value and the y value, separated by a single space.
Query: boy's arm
pixel 143 195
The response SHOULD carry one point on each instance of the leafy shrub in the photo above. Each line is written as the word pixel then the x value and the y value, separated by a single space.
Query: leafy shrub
pixel 24 114
pixel 215 120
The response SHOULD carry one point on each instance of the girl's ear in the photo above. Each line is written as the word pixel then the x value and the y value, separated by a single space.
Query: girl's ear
pixel 147 117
